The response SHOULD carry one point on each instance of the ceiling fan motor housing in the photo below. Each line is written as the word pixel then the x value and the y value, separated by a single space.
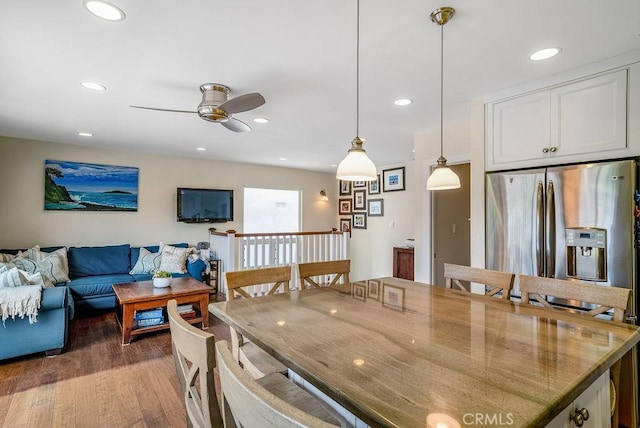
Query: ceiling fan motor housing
pixel 213 95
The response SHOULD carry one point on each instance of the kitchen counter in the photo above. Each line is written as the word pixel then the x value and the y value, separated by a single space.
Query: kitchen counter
pixel 393 351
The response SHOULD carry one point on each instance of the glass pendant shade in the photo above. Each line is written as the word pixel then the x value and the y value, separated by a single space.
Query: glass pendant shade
pixel 356 166
pixel 442 177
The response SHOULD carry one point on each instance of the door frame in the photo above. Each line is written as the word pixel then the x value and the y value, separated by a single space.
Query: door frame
pixel 424 271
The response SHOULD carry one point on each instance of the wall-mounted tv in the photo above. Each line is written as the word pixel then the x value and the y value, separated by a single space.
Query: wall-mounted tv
pixel 205 205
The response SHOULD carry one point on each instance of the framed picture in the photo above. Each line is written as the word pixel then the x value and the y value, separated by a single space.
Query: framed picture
pixel 359 291
pixel 345 187
pixel 76 186
pixel 374 289
pixel 359 220
pixel 393 297
pixel 359 184
pixel 360 200
pixel 374 186
pixel 345 225
pixel 393 179
pixel 376 208
pixel 344 206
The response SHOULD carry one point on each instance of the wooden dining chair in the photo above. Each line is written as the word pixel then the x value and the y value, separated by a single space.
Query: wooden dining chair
pixel 243 284
pixel 338 268
pixel 271 401
pixel 534 289
pixel 194 357
pixel 494 281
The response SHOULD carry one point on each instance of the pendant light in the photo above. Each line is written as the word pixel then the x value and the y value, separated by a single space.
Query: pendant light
pixel 442 177
pixel 357 166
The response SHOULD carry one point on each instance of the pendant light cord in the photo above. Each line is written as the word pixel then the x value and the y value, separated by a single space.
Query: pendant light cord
pixel 441 89
pixel 358 70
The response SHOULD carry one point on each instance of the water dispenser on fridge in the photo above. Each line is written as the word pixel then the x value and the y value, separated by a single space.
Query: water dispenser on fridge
pixel 586 253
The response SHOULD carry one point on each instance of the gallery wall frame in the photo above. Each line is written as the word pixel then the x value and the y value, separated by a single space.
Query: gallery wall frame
pixel 375 208
pixel 360 200
pixel 393 180
pixel 80 186
pixel 345 225
pixel 359 183
pixel 359 221
pixel 345 188
pixel 374 186
pixel 345 206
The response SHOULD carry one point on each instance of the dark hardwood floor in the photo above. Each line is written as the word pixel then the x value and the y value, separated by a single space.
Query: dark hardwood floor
pixel 97 382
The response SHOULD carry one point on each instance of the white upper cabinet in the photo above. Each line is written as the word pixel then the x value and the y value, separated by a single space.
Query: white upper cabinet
pixel 576 122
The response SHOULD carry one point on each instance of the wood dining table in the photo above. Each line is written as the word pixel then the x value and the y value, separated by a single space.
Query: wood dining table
pixel 394 352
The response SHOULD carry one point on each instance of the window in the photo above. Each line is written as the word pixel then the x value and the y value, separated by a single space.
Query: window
pixel 271 210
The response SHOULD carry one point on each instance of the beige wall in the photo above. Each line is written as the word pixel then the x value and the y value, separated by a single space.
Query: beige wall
pixel 23 221
pixel 372 249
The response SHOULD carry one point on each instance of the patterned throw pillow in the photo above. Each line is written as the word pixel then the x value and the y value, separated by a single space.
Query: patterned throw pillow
pixel 147 261
pixel 6 258
pixel 173 259
pixel 53 266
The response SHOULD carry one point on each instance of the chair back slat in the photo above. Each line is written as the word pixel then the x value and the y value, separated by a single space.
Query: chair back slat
pixel 494 281
pixel 339 268
pixel 194 358
pixel 248 404
pixel 604 297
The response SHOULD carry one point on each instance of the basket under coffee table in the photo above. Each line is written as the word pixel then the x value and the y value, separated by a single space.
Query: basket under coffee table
pixel 139 296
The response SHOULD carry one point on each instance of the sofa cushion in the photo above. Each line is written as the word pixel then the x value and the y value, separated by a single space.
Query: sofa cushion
pixel 146 263
pixel 97 285
pixel 106 260
pixel 52 266
pixel 174 259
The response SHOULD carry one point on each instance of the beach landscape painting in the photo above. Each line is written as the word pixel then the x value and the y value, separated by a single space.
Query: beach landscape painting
pixel 76 186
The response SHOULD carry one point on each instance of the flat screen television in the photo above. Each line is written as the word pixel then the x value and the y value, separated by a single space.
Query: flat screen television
pixel 205 205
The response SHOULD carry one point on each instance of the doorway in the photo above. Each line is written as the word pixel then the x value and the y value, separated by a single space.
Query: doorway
pixel 451 231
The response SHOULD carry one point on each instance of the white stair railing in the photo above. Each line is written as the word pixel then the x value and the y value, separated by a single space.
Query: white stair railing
pixel 241 251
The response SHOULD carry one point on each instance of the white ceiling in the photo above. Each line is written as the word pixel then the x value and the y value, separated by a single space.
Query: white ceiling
pixel 300 55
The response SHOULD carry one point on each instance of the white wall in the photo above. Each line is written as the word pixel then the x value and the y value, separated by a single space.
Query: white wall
pixel 372 249
pixel 24 222
pixel 457 148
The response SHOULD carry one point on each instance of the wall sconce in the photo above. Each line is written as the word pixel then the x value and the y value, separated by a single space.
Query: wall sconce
pixel 323 196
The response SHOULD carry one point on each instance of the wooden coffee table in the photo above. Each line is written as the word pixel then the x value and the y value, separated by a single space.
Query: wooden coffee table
pixel 138 296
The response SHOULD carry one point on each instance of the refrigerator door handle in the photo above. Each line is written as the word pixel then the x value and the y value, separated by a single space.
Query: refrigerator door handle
pixel 551 231
pixel 540 229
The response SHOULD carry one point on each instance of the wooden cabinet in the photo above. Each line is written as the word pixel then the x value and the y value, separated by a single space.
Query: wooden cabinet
pixel 595 399
pixel 580 121
pixel 403 262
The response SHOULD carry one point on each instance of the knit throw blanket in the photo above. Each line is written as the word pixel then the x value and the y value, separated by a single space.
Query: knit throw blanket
pixel 20 301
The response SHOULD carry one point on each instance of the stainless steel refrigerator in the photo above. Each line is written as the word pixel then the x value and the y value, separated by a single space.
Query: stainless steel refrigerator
pixel 576 222
pixel 569 222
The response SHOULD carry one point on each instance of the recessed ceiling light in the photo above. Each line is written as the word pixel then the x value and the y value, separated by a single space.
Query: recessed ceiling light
pixel 94 86
pixel 201 149
pixel 85 134
pixel 334 165
pixel 283 159
pixel 544 54
pixel 104 10
pixel 261 120
pixel 403 102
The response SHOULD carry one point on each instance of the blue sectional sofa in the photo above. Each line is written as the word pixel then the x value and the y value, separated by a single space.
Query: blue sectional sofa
pixel 92 272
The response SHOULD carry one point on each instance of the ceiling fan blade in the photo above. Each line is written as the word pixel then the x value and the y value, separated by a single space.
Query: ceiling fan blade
pixel 164 109
pixel 243 103
pixel 236 125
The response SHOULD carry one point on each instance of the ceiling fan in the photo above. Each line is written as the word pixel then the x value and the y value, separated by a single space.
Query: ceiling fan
pixel 215 107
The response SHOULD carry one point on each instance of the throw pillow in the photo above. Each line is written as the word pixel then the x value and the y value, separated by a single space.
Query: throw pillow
pixel 11 278
pixel 173 259
pixel 147 262
pixel 6 258
pixel 53 266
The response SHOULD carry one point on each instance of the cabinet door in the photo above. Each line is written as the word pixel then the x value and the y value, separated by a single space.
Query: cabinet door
pixel 518 129
pixel 589 116
pixel 595 399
